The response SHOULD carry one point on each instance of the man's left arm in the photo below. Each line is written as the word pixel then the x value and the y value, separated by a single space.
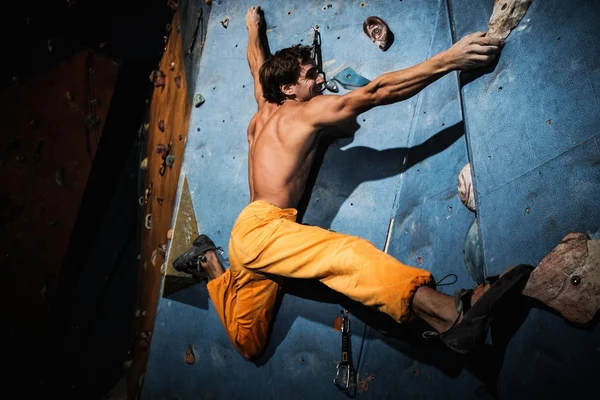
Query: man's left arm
pixel 258 48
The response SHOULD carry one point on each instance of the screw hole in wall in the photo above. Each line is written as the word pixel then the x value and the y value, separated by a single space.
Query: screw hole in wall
pixel 289 13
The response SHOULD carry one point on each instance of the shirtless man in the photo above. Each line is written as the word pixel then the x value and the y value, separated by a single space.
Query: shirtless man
pixel 267 244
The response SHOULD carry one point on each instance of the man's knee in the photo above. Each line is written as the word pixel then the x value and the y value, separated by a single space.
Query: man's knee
pixel 251 348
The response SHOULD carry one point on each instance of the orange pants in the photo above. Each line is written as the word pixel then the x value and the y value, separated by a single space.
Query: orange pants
pixel 267 243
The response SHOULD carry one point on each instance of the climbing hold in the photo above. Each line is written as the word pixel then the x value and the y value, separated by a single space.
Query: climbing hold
pixel 350 79
pixel 162 248
pixel 161 148
pixel 172 65
pixel 168 27
pixel 59 176
pixel 144 164
pixel 332 86
pixel 208 2
pixel 153 257
pixel 170 234
pixel 94 101
pixel 379 32
pixel 190 358
pixel 170 160
pixel 198 100
pixel 69 96
pixel 37 154
pixel 159 79
pixel 161 125
pixel 178 81
pixel 568 278
pixel 506 15
pixel 50 45
pixel 225 22
pixel 465 188
pixel 146 126
pixel 473 253
pixel 159 200
pixel 148 222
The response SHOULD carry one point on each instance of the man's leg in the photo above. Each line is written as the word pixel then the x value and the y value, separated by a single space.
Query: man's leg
pixel 356 268
pixel 235 303
pixel 436 309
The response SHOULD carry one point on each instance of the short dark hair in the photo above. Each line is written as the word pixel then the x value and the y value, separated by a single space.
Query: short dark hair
pixel 282 69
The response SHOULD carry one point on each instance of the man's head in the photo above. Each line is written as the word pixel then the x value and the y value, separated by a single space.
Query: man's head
pixel 290 74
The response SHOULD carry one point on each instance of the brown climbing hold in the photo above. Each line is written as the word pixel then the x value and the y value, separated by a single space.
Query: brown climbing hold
pixel 208 2
pixel 337 324
pixel 161 125
pixel 190 358
pixel 506 15
pixel 465 187
pixel 170 234
pixel 159 78
pixel 159 200
pixel 568 278
pixel 161 149
pixel 178 81
pixel 379 32
pixel 162 248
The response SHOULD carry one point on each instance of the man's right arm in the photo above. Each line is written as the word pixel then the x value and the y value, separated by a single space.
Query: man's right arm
pixel 473 51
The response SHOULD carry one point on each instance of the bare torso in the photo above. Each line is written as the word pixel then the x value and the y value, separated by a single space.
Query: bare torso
pixel 281 150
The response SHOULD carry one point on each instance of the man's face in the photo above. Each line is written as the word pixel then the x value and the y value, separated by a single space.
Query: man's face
pixel 310 82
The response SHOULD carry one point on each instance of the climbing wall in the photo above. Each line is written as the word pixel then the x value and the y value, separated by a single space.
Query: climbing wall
pixel 392 180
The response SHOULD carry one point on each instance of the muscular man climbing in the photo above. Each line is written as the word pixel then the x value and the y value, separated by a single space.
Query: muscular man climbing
pixel 267 244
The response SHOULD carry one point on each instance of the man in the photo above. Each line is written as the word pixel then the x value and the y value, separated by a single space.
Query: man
pixel 267 244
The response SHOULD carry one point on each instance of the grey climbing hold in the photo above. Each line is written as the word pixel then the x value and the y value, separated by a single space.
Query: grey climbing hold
pixel 198 100
pixel 473 253
pixel 170 160
pixel 350 79
pixel 332 86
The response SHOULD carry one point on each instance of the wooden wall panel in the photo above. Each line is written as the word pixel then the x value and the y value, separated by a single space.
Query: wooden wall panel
pixel 50 126
pixel 171 105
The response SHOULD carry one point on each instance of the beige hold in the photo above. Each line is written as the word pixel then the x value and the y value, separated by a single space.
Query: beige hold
pixel 144 164
pixel 465 188
pixel 568 278
pixel 170 234
pixel 505 17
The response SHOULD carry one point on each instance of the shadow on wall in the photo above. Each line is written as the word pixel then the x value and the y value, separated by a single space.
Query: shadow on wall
pixel 361 164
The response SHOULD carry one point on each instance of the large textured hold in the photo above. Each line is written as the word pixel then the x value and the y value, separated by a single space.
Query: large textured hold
pixel 568 278
pixel 505 17
pixel 465 188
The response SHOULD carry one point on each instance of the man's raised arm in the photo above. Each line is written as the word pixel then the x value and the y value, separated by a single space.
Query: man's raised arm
pixel 472 51
pixel 258 48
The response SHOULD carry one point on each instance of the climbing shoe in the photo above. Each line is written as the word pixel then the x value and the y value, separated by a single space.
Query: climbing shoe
pixel 470 333
pixel 189 261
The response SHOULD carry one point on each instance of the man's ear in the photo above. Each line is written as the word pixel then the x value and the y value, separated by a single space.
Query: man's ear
pixel 287 89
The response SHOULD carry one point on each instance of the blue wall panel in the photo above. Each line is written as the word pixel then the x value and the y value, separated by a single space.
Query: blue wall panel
pixel 531 124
